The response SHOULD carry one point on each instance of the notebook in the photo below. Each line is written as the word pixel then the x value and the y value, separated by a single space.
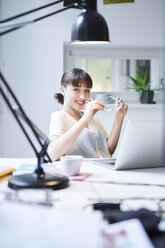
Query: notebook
pixel 142 146
pixel 4 171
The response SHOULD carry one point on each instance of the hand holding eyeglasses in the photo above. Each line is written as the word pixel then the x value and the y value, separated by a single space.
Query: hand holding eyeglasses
pixel 120 108
pixel 91 108
pixel 111 103
pixel 116 104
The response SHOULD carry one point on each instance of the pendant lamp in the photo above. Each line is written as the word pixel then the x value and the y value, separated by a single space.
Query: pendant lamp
pixel 90 26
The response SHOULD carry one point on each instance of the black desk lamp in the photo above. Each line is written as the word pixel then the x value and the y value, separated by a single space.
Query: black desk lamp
pixel 38 179
pixel 84 29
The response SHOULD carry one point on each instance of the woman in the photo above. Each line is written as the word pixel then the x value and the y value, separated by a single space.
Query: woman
pixel 74 132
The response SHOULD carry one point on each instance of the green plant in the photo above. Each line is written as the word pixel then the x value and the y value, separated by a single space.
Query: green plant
pixel 141 84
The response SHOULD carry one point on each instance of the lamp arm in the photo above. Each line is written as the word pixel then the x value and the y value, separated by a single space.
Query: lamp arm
pixel 27 120
pixel 17 119
pixel 23 24
pixel 38 179
pixel 30 11
pixel 38 134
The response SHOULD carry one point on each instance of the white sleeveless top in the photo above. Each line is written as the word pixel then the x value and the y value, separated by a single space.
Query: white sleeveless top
pixel 91 143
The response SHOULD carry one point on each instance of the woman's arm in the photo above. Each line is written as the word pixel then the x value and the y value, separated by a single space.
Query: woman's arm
pixel 59 145
pixel 120 112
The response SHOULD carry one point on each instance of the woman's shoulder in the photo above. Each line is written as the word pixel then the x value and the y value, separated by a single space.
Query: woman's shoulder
pixel 57 114
pixel 61 116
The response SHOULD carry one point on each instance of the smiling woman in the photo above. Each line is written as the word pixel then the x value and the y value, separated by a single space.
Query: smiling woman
pixel 75 78
pixel 75 131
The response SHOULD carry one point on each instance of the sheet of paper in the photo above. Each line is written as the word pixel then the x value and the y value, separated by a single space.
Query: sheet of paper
pixel 129 233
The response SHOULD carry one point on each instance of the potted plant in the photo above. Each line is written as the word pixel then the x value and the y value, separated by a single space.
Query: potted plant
pixel 141 84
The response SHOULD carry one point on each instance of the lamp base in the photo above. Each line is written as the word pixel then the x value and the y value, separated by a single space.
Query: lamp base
pixel 32 180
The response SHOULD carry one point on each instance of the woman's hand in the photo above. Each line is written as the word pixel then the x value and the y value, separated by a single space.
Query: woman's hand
pixel 121 108
pixel 119 112
pixel 92 108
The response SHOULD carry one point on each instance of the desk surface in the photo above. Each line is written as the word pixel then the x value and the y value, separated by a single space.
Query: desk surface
pixel 72 223
pixel 103 185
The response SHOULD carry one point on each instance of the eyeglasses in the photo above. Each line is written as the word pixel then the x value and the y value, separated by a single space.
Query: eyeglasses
pixel 109 103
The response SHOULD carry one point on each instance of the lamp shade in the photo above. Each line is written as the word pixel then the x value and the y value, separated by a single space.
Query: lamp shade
pixel 90 26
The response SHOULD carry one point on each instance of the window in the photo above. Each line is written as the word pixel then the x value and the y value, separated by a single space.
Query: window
pixel 109 66
pixel 100 71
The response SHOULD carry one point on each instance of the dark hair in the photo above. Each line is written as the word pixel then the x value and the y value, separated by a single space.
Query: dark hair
pixel 75 77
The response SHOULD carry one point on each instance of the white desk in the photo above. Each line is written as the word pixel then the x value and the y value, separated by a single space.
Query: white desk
pixel 103 185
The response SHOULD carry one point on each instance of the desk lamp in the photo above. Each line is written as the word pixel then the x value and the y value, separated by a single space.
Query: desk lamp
pixel 84 29
pixel 38 179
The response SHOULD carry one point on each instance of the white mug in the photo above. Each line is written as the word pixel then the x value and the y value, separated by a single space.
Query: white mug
pixel 71 164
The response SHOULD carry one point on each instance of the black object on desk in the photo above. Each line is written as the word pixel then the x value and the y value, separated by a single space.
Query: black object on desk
pixel 38 179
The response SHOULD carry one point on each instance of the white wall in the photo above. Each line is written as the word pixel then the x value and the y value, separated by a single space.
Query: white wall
pixel 140 23
pixel 32 58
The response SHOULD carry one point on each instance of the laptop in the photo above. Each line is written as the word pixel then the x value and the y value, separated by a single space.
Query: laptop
pixel 142 146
